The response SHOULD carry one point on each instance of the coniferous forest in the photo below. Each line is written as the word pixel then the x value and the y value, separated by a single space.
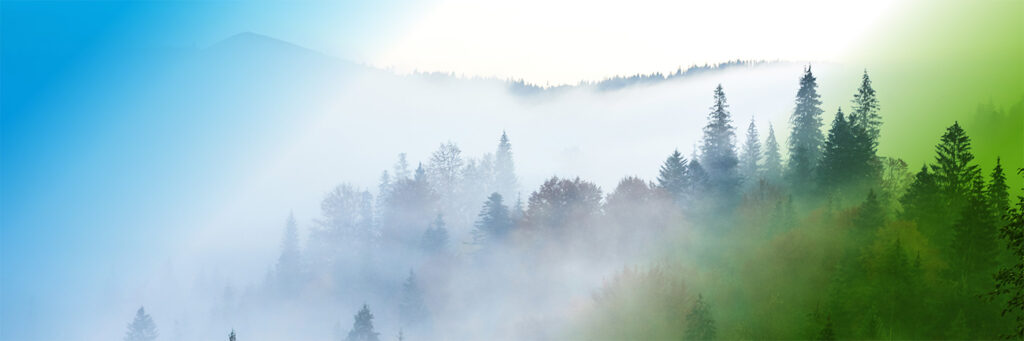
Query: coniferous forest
pixel 820 238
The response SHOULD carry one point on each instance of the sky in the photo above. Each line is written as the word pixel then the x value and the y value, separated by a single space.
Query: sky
pixel 89 194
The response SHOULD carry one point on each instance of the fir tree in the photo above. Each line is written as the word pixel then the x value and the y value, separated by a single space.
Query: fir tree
pixel 435 238
pixel 805 138
pixel 504 168
pixel 998 192
pixel 142 327
pixel 699 181
pixel 870 216
pixel 289 264
pixel 401 168
pixel 231 336
pixel 718 151
pixel 412 311
pixel 953 168
pixel 699 323
pixel 493 222
pixel 672 176
pixel 362 327
pixel 836 163
pixel 974 244
pixel 772 157
pixel 865 110
pixel 750 159
pixel 1010 278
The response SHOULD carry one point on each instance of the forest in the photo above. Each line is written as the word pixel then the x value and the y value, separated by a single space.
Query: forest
pixel 740 238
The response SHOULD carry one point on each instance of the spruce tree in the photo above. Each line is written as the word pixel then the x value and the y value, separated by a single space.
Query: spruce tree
pixel 750 159
pixel 953 169
pixel 772 157
pixel 362 327
pixel 998 192
pixel 865 110
pixel 698 182
pixel 699 323
pixel 718 150
pixel 805 138
pixel 231 336
pixel 412 310
pixel 1009 286
pixel 504 168
pixel 493 223
pixel 835 167
pixel 974 245
pixel 435 238
pixel 672 176
pixel 142 327
pixel 289 263
pixel 870 216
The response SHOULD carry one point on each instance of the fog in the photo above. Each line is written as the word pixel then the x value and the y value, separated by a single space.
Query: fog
pixel 269 129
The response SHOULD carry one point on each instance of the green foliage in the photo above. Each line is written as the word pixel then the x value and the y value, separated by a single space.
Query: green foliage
pixel 805 138
pixel 1009 286
pixel 700 325
pixel 865 110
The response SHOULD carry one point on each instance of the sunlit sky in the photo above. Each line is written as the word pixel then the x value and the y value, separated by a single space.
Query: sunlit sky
pixel 558 42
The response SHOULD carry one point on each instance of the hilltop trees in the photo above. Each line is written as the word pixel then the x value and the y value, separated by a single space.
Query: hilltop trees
pixel 673 176
pixel 718 149
pixel 750 158
pixel 772 157
pixel 142 327
pixel 362 326
pixel 493 223
pixel 805 138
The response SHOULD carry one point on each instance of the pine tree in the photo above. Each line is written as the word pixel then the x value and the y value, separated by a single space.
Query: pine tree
pixel 865 110
pixel 504 168
pixel 953 169
pixel 750 159
pixel 1010 278
pixel 231 336
pixel 998 192
pixel 401 168
pixel 362 327
pixel 142 327
pixel 289 264
pixel 435 238
pixel 699 323
pixel 672 176
pixel 870 216
pixel 699 181
pixel 718 151
pixel 805 138
pixel 974 244
pixel 772 157
pixel 412 310
pixel 836 162
pixel 493 223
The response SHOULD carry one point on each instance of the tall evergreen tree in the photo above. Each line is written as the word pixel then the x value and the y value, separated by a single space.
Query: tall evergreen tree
pixel 718 150
pixel 504 168
pixel 865 110
pixel 412 310
pixel 142 327
pixel 231 336
pixel 953 168
pixel 1009 279
pixel 362 327
pixel 974 246
pixel 750 159
pixel 435 238
pixel 494 222
pixel 772 157
pixel 672 176
pixel 698 178
pixel 805 138
pixel 870 215
pixel 401 168
pixel 289 264
pixel 836 162
pixel 998 192
pixel 699 323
